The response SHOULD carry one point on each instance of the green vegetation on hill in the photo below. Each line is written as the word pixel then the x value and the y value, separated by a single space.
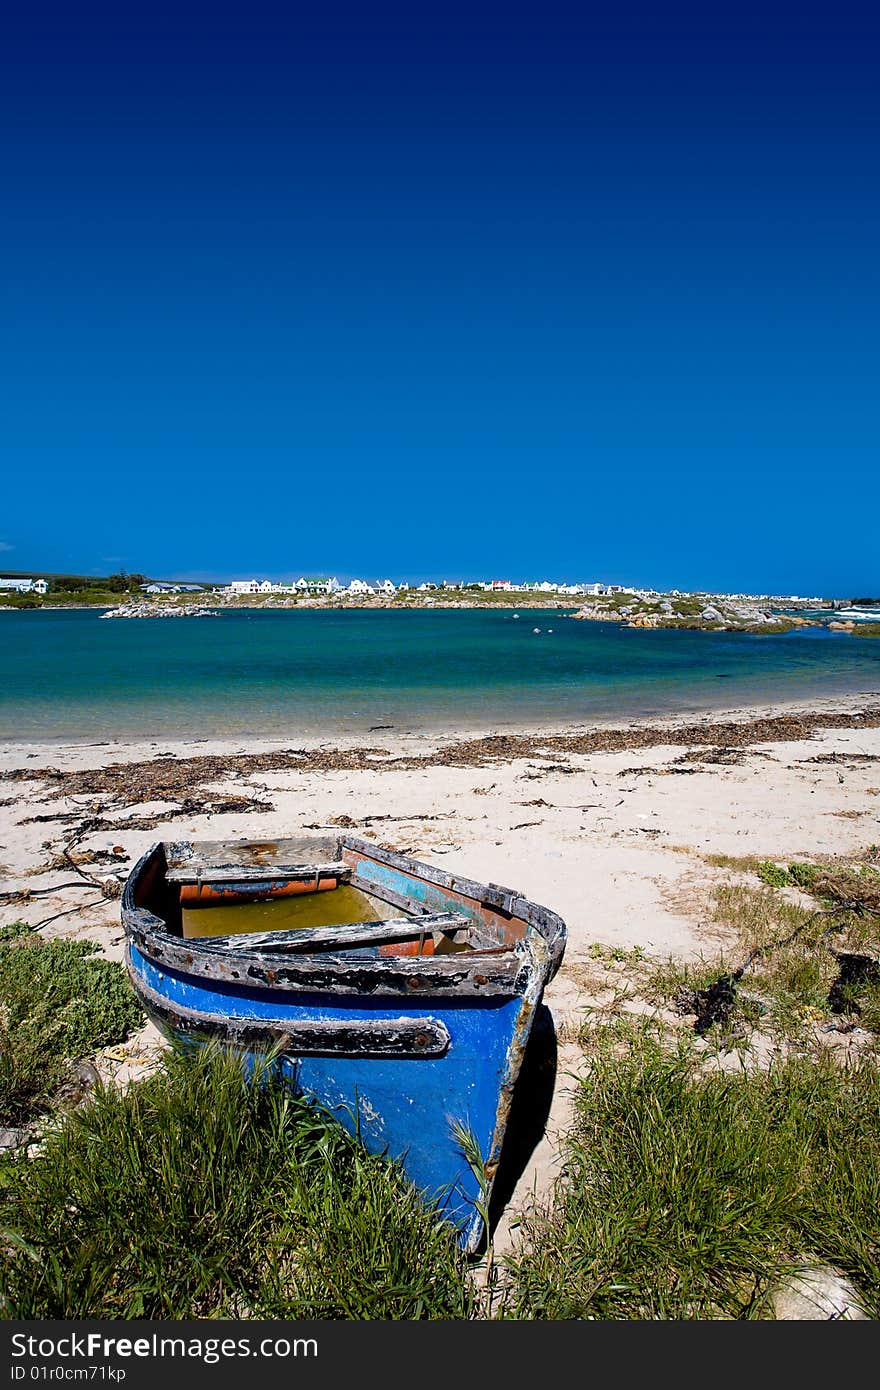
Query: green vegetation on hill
pixel 99 598
pixel 76 590
pixel 120 583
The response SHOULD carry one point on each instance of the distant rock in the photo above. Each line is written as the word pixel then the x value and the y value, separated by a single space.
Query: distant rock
pixel 144 609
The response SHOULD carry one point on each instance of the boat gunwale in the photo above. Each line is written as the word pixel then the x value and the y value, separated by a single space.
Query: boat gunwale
pixel 411 1036
pixel 481 973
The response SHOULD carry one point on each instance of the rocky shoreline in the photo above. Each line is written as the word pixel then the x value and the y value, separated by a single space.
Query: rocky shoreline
pixel 702 617
pixel 159 610
pixel 663 611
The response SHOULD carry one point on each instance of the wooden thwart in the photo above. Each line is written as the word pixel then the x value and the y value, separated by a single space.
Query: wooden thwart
pixel 195 871
pixel 340 938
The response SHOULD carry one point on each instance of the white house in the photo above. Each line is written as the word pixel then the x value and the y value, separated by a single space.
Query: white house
pixel 244 586
pixel 384 586
pixel 357 586
pixel 25 586
pixel 161 586
pixel 316 586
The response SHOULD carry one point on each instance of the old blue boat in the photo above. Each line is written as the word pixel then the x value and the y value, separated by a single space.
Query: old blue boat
pixel 403 1022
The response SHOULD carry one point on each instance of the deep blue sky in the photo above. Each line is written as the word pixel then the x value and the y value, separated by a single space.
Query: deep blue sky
pixel 502 300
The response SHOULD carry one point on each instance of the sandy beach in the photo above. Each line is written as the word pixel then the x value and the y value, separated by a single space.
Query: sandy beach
pixel 608 825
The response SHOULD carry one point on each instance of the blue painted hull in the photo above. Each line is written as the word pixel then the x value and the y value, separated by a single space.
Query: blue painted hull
pixel 400 1047
pixel 402 1106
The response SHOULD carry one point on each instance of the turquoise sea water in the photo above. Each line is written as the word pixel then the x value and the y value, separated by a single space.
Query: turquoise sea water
pixel 71 675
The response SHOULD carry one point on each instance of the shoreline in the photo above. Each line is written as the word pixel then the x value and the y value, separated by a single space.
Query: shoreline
pixel 852 703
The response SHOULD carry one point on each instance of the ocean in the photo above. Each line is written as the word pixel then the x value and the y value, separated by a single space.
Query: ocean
pixel 70 676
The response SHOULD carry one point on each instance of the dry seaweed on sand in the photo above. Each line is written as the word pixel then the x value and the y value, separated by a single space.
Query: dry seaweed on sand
pixel 183 780
pixel 188 806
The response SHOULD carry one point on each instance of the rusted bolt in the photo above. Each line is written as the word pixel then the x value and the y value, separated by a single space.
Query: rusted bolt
pixel 414 982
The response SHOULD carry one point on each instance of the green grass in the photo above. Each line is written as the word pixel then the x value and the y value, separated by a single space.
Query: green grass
pixel 58 1002
pixel 786 986
pixel 14 600
pixel 794 876
pixel 197 1195
pixel 665 979
pixel 617 955
pixel 688 1196
pixel 97 597
pixel 832 880
pixel 772 874
pixel 867 1002
pixel 794 978
pixel 742 863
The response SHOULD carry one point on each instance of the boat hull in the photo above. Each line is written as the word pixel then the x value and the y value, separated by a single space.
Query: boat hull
pixel 401 1105
pixel 400 1050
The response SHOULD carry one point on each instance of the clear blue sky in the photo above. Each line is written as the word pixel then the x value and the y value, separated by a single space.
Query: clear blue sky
pixel 510 298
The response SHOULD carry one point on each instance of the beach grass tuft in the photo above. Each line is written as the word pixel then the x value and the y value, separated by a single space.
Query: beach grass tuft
pixel 691 1195
pixel 785 955
pixel 198 1193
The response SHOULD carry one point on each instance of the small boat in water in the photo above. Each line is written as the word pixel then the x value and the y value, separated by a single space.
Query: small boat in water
pixel 399 996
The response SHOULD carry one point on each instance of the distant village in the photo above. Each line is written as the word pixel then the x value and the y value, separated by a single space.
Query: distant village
pixel 386 588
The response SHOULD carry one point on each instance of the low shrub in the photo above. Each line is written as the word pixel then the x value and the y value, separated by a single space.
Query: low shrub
pixel 59 1001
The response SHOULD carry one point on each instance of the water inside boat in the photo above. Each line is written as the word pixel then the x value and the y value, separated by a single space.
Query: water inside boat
pixel 336 907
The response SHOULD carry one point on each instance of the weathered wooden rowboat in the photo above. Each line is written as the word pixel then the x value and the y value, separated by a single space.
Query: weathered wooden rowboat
pixel 401 1025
